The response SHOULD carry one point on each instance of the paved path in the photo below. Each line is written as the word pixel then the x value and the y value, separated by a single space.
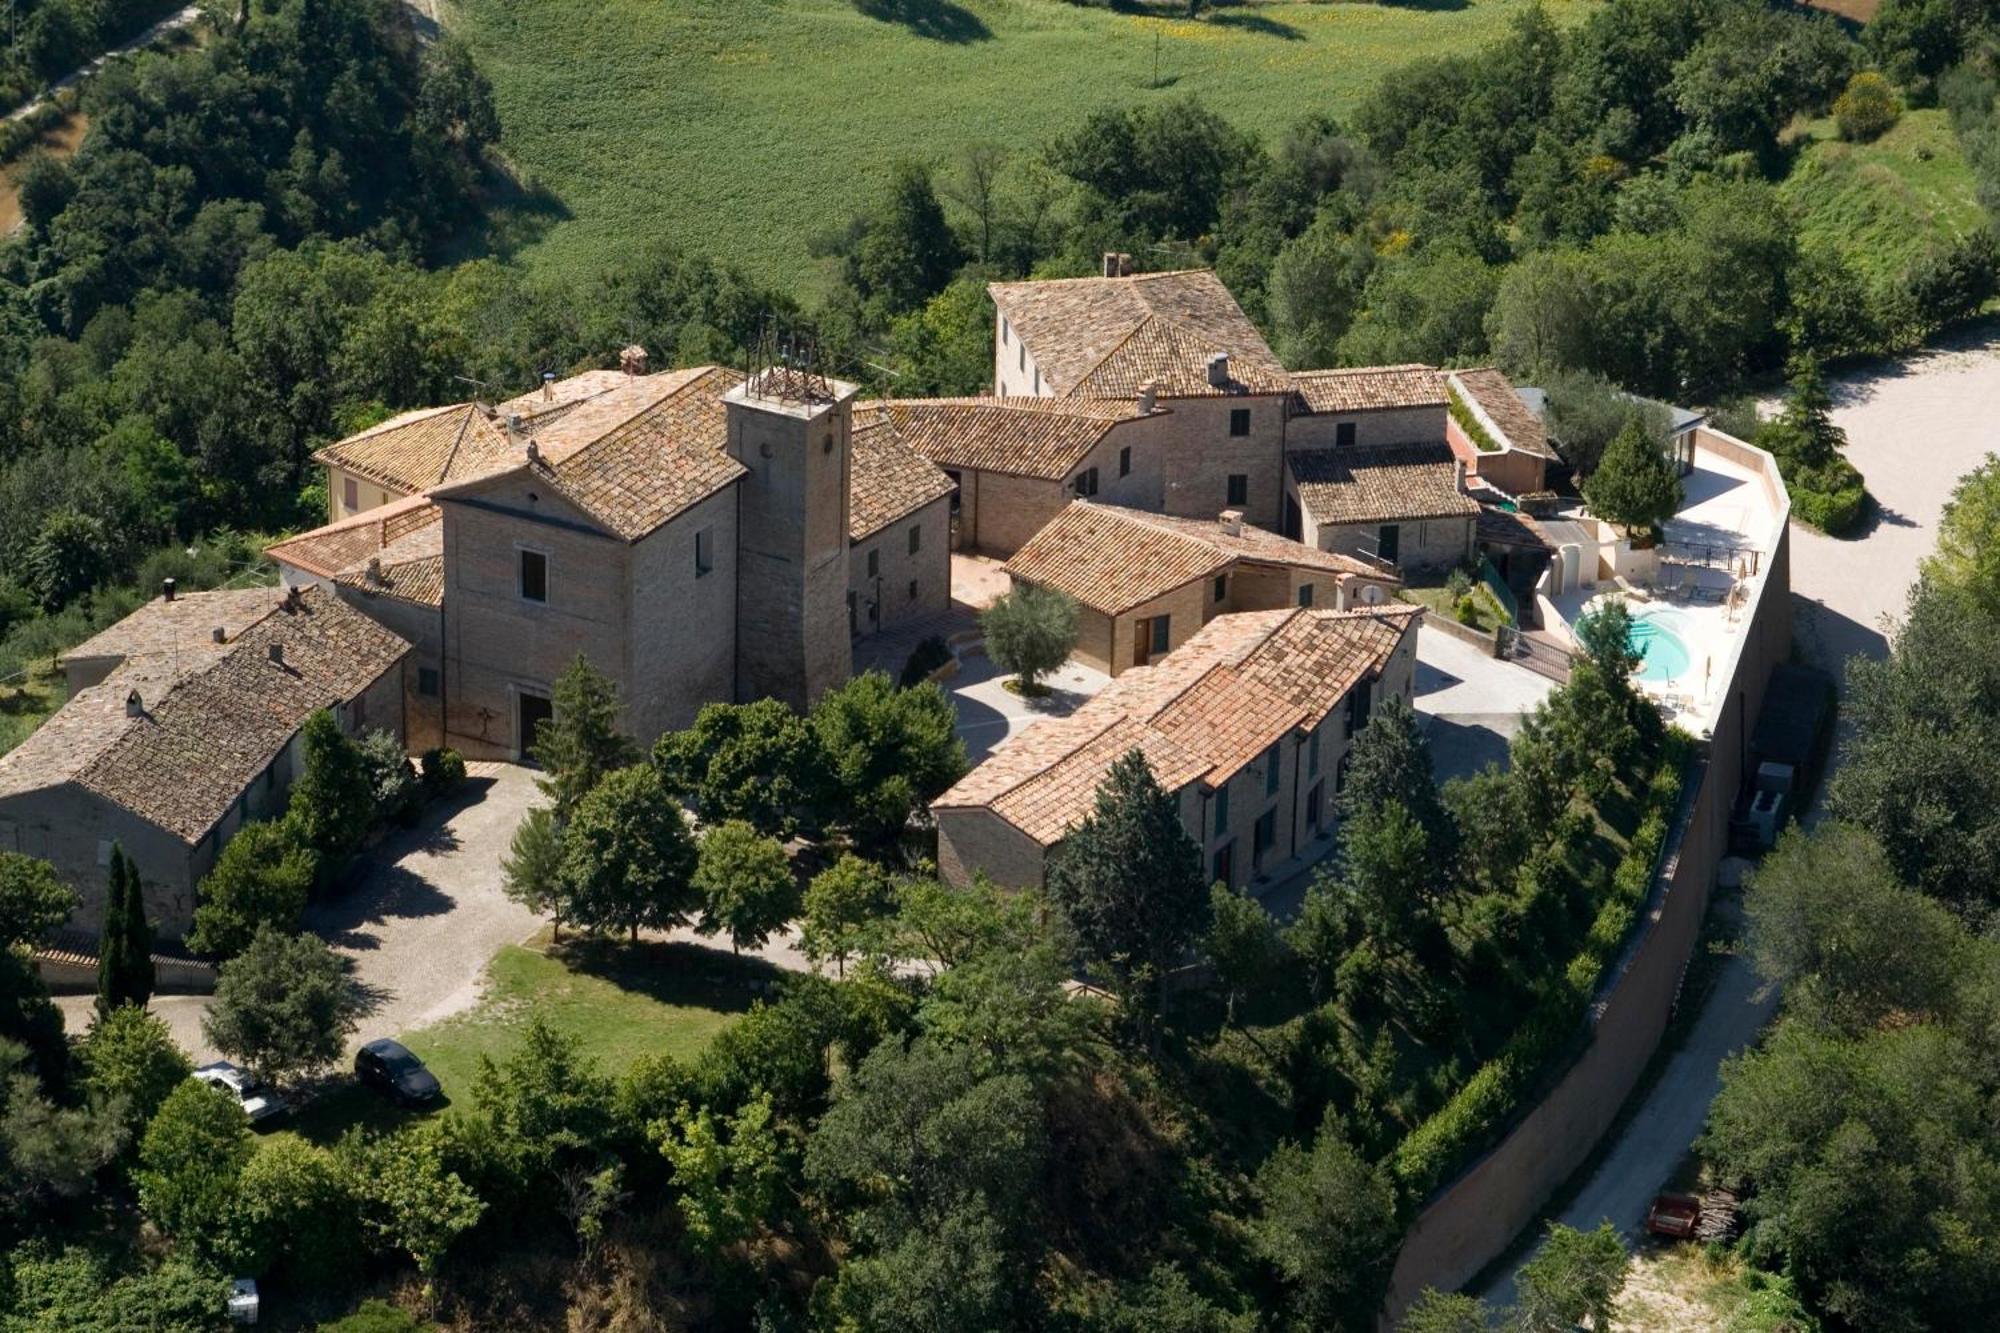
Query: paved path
pixel 1913 427
pixel 172 22
pixel 1471 703
pixel 989 713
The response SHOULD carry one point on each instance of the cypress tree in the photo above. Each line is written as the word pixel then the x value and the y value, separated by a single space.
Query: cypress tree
pixel 125 948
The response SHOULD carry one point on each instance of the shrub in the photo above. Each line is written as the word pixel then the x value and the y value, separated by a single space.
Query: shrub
pixel 377 1317
pixel 925 659
pixel 397 795
pixel 262 878
pixel 190 1162
pixel 1458 583
pixel 1868 107
pixel 443 769
pixel 1831 499
pixel 1466 610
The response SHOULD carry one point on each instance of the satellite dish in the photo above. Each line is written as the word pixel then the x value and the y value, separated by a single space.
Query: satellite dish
pixel 1371 594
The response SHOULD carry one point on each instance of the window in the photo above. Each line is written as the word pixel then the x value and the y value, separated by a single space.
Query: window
pixel 1125 461
pixel 1004 333
pixel 1312 754
pixel 1305 594
pixel 1314 802
pixel 1343 434
pixel 913 590
pixel 1038 379
pixel 534 576
pixel 1271 770
pixel 957 492
pixel 103 852
pixel 1222 810
pixel 1358 703
pixel 875 564
pixel 350 494
pixel 1389 542
pixel 1222 866
pixel 427 682
pixel 916 539
pixel 1086 482
pixel 1239 488
pixel 1221 587
pixel 704 551
pixel 1024 356
pixel 1340 773
pixel 1239 421
pixel 1263 837
pixel 1161 625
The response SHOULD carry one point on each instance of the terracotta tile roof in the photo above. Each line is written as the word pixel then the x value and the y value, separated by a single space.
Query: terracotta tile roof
pixel 184 627
pixel 635 457
pixel 887 480
pixel 205 736
pixel 1506 415
pixel 1380 483
pixel 1504 527
pixel 1110 559
pixel 1044 438
pixel 429 447
pixel 409 567
pixel 1202 713
pixel 1250 542
pixel 1108 337
pixel 562 394
pixel 1369 388
pixel 329 551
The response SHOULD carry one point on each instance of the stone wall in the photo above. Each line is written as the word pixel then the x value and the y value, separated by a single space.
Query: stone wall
pixel 683 618
pixel 976 839
pixel 1429 544
pixel 1201 455
pixel 905 585
pixel 1473 1219
pixel 1395 425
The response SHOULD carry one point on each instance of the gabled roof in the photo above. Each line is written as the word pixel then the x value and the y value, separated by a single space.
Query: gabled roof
pixel 203 736
pixel 1368 389
pixel 1499 404
pixel 1200 714
pixel 393 550
pixel 1393 483
pixel 1112 559
pixel 428 447
pixel 887 480
pixel 1044 438
pixel 1110 337
pixel 184 627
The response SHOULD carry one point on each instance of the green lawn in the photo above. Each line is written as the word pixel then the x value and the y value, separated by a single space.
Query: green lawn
pixel 27 703
pixel 747 127
pixel 623 1001
pixel 1882 201
pixel 1438 598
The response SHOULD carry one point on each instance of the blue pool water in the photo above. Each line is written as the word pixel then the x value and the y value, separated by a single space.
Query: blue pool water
pixel 1655 637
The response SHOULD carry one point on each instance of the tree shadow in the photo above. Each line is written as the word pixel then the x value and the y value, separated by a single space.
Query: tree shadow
pixel 385 892
pixel 1260 24
pixel 938 20
pixel 1877 515
pixel 1428 6
pixel 689 976
pixel 517 212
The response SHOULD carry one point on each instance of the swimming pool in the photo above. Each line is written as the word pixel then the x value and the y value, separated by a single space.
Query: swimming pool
pixel 1656 638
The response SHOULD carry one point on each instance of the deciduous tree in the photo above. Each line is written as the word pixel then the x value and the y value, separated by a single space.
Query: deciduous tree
pixel 839 904
pixel 756 762
pixel 190 1161
pixel 888 753
pixel 284 1006
pixel 530 874
pixel 628 859
pixel 129 1055
pixel 1328 1226
pixel 333 801
pixel 263 877
pixel 746 884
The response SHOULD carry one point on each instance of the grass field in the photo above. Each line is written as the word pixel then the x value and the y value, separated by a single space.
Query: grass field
pixel 621 1001
pixel 747 127
pixel 26 703
pixel 1882 201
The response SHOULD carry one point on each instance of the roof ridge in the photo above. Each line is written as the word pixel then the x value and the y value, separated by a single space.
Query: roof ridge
pixel 652 405
pixel 1084 715
pixel 451 454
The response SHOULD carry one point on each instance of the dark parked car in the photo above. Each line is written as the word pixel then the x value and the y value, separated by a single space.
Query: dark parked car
pixel 390 1066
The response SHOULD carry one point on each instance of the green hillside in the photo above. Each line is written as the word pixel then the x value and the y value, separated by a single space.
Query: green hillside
pixel 1884 202
pixel 750 126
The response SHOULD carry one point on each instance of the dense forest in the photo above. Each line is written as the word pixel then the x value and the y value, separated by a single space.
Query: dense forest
pixel 266 241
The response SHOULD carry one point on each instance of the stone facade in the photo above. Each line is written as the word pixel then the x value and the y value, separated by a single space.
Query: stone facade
pixel 1202 454
pixel 792 581
pixel 1422 546
pixel 892 580
pixel 1395 425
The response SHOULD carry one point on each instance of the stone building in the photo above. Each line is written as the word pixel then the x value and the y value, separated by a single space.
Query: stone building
pixel 1247 725
pixel 697 535
pixel 1145 583
pixel 1397 506
pixel 168 752
pixel 1509 447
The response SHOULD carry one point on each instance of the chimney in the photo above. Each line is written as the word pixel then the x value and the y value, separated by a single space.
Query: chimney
pixel 1111 264
pixel 294 599
pixel 374 571
pixel 513 427
pixel 1149 394
pixel 1232 522
pixel 1218 370
pixel 134 705
pixel 277 652
pixel 548 385
pixel 534 452
pixel 167 589
pixel 633 360
pixel 219 635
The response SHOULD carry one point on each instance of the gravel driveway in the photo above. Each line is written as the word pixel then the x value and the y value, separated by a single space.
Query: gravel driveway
pixel 422 921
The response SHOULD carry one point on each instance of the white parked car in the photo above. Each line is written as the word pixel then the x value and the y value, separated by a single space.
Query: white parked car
pixel 259 1101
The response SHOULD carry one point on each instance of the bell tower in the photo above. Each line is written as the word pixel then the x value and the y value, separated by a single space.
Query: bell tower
pixel 792 430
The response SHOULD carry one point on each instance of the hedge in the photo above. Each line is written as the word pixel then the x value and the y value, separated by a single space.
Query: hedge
pixel 1434 1149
